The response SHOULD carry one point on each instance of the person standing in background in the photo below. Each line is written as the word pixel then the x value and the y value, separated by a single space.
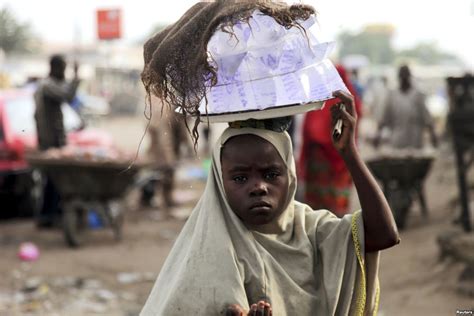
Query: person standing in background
pixel 327 182
pixel 375 98
pixel 405 115
pixel 358 87
pixel 168 138
pixel 51 93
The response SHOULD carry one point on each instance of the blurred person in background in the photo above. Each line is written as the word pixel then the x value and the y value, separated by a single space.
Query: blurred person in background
pixel 375 97
pixel 327 182
pixel 406 116
pixel 358 87
pixel 4 81
pixel 51 93
pixel 168 139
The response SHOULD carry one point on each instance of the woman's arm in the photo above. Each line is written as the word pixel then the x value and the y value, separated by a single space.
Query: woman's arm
pixel 379 226
pixel 63 91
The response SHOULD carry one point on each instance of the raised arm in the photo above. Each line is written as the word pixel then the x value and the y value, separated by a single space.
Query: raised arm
pixel 379 226
pixel 63 91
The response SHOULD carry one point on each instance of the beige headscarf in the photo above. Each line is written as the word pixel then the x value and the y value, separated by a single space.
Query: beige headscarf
pixel 315 266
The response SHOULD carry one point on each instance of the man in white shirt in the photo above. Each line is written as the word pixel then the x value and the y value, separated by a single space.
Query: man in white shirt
pixel 406 115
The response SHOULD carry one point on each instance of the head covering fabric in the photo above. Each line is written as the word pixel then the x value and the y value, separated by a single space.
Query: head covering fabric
pixel 309 267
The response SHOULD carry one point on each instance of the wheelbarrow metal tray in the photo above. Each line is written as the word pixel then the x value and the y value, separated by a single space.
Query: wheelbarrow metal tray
pixel 406 170
pixel 89 180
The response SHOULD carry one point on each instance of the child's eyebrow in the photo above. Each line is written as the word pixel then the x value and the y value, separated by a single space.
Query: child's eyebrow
pixel 243 168
pixel 273 167
pixel 239 168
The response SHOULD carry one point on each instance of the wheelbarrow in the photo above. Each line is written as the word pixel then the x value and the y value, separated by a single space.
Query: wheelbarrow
pixel 402 178
pixel 85 186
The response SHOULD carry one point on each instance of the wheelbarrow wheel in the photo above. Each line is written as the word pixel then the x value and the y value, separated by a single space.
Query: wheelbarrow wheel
pixel 75 223
pixel 400 217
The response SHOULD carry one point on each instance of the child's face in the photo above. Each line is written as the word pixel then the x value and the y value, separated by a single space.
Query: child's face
pixel 255 179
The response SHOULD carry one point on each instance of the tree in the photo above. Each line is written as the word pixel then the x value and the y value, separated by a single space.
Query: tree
pixel 428 53
pixel 14 35
pixel 374 41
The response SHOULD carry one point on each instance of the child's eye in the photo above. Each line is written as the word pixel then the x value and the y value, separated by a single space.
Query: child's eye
pixel 271 175
pixel 239 179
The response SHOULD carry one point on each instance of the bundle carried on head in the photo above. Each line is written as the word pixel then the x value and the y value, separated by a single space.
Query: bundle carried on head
pixel 177 68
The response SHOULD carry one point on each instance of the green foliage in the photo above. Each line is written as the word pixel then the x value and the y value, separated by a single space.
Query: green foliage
pixel 376 45
pixel 14 36
pixel 427 53
pixel 158 28
pixel 375 42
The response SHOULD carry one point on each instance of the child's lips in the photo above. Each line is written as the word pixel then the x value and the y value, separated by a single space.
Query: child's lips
pixel 261 206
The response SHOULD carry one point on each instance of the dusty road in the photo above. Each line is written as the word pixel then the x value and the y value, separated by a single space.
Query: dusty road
pixel 105 277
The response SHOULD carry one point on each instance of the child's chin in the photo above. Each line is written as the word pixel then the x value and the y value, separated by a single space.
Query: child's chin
pixel 262 219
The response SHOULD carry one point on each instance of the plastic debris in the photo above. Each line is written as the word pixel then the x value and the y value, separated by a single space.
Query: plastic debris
pixel 94 220
pixel 135 277
pixel 28 252
pixel 129 277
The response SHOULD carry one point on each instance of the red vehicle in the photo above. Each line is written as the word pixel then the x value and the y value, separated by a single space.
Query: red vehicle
pixel 21 186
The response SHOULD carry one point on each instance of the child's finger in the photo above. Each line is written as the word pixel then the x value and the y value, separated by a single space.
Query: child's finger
pixel 234 310
pixel 335 113
pixel 346 98
pixel 334 118
pixel 353 114
pixel 261 308
pixel 264 308
pixel 268 309
pixel 253 310
pixel 347 119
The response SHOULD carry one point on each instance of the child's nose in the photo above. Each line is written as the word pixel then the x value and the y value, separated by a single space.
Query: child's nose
pixel 259 188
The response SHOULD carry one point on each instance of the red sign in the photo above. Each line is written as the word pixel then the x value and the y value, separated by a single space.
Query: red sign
pixel 109 24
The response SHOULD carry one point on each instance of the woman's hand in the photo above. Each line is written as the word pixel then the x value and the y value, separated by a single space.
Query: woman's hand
pixel 262 308
pixel 345 142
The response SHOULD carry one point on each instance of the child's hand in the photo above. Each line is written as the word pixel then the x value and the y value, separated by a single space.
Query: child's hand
pixel 235 310
pixel 345 142
pixel 262 308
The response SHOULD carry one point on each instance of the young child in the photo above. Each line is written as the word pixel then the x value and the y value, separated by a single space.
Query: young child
pixel 249 248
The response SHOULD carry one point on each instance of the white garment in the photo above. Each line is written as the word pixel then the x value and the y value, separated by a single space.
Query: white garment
pixel 407 117
pixel 310 268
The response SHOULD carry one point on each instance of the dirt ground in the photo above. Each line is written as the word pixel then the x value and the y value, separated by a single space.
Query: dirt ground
pixel 105 277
